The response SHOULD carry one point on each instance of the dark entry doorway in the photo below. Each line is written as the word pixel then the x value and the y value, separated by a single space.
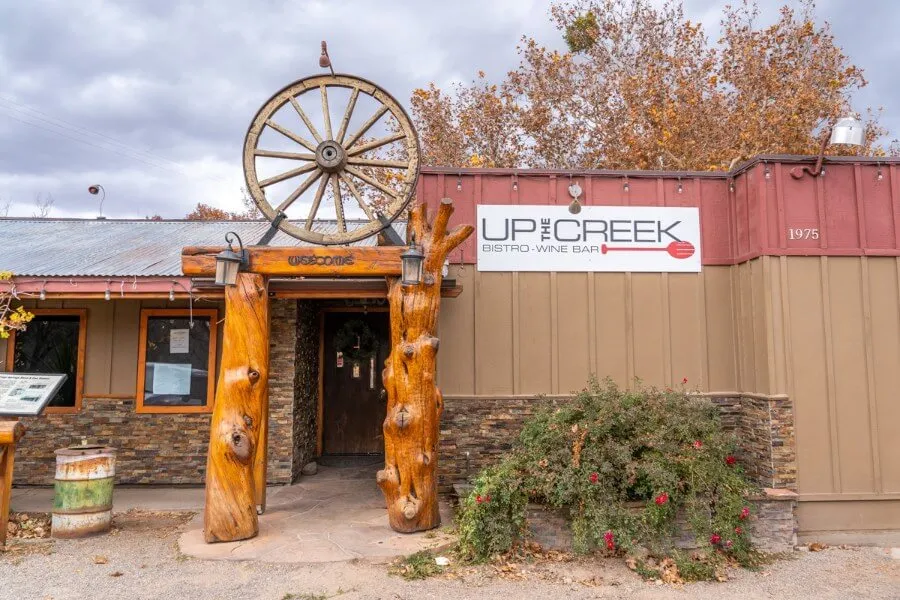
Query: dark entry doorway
pixel 355 345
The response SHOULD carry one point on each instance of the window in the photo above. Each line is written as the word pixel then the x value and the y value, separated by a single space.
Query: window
pixel 52 343
pixel 176 361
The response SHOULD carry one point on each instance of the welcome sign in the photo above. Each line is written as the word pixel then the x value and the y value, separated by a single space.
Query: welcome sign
pixel 600 238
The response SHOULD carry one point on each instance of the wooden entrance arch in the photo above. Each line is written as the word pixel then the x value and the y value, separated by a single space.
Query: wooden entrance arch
pixel 236 460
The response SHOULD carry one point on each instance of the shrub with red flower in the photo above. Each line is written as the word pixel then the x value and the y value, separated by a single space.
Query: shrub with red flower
pixel 622 466
pixel 745 512
pixel 738 530
pixel 684 381
pixel 730 460
pixel 610 540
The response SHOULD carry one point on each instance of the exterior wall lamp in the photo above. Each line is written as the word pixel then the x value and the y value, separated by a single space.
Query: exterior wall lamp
pixel 847 130
pixel 411 263
pixel 229 262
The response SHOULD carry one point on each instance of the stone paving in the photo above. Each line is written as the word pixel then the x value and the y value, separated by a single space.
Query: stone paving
pixel 337 514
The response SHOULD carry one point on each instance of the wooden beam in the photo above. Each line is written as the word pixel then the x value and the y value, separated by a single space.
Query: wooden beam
pixel 414 403
pixel 302 261
pixel 238 428
pixel 11 431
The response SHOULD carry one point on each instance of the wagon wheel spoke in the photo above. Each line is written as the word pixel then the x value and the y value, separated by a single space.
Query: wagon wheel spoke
pixel 374 162
pixel 291 135
pixel 288 155
pixel 356 150
pixel 288 174
pixel 366 126
pixel 346 120
pixel 325 112
pixel 315 205
pixel 355 192
pixel 306 121
pixel 373 182
pixel 338 203
pixel 299 191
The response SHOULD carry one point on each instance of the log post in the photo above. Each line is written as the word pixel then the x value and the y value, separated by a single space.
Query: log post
pixel 11 431
pixel 236 431
pixel 412 425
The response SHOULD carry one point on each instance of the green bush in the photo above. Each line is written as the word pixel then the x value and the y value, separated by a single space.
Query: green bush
pixel 622 465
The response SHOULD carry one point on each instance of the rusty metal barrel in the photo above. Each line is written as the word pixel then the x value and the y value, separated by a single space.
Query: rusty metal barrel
pixel 83 491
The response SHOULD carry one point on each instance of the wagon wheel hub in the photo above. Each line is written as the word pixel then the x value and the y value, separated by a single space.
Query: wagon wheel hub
pixel 331 156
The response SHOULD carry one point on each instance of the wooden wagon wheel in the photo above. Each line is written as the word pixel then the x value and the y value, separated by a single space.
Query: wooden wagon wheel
pixel 335 158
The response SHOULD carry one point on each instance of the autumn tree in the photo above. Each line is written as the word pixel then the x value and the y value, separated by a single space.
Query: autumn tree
pixel 642 87
pixel 206 212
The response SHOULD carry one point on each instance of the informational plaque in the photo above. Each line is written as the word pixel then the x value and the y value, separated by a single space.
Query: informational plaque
pixel 27 394
pixel 171 379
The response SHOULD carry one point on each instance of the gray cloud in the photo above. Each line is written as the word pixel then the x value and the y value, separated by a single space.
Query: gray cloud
pixel 176 84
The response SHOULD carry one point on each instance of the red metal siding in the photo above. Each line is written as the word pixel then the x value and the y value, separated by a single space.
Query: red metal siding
pixel 846 211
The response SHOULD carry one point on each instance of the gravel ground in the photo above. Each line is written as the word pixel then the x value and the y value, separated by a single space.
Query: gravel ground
pixel 139 559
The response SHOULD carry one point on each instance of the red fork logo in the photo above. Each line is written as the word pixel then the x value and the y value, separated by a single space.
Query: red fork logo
pixel 675 249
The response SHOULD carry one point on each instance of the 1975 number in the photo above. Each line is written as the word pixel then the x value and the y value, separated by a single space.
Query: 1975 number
pixel 803 234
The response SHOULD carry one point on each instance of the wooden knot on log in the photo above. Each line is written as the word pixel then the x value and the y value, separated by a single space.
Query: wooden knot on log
pixel 434 343
pixel 401 418
pixel 429 279
pixel 240 444
pixel 408 350
pixel 248 420
pixel 253 375
pixel 410 508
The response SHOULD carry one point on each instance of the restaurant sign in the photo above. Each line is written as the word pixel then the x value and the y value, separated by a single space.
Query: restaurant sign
pixel 599 238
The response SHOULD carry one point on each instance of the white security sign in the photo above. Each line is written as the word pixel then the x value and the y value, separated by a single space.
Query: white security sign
pixel 599 238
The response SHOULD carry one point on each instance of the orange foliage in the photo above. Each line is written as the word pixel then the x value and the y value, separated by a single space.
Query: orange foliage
pixel 642 87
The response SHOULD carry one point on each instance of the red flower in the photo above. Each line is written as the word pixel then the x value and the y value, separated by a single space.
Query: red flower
pixel 487 498
pixel 715 539
pixel 479 499
pixel 729 544
pixel 684 381
pixel 594 477
pixel 610 542
pixel 662 498
pixel 745 512
pixel 730 460
pixel 697 444
pixel 738 530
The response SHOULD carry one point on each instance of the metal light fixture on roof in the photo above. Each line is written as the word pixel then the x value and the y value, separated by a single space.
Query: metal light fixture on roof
pixel 229 262
pixel 411 263
pixel 847 130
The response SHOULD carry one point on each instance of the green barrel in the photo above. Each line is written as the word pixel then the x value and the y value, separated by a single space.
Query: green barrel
pixel 83 498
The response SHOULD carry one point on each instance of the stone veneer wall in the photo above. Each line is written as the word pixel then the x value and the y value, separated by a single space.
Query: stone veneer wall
pixel 163 448
pixel 306 384
pixel 772 526
pixel 487 426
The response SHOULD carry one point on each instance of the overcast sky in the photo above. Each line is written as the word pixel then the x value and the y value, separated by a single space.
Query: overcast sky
pixel 152 98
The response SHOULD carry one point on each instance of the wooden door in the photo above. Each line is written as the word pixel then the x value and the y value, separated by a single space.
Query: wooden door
pixel 354 406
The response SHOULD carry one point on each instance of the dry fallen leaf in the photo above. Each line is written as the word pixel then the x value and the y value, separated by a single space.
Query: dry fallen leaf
pixel 116 574
pixel 817 547
pixel 100 560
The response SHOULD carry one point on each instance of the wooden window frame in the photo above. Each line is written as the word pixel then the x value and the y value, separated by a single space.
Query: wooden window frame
pixel 81 313
pixel 146 314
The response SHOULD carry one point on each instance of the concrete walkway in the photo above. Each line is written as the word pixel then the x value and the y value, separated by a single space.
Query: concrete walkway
pixel 335 515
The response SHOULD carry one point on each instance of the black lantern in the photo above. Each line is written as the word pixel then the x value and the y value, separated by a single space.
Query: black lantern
pixel 411 264
pixel 229 262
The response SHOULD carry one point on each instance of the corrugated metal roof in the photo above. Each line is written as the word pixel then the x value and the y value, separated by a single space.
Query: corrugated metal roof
pixel 126 248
